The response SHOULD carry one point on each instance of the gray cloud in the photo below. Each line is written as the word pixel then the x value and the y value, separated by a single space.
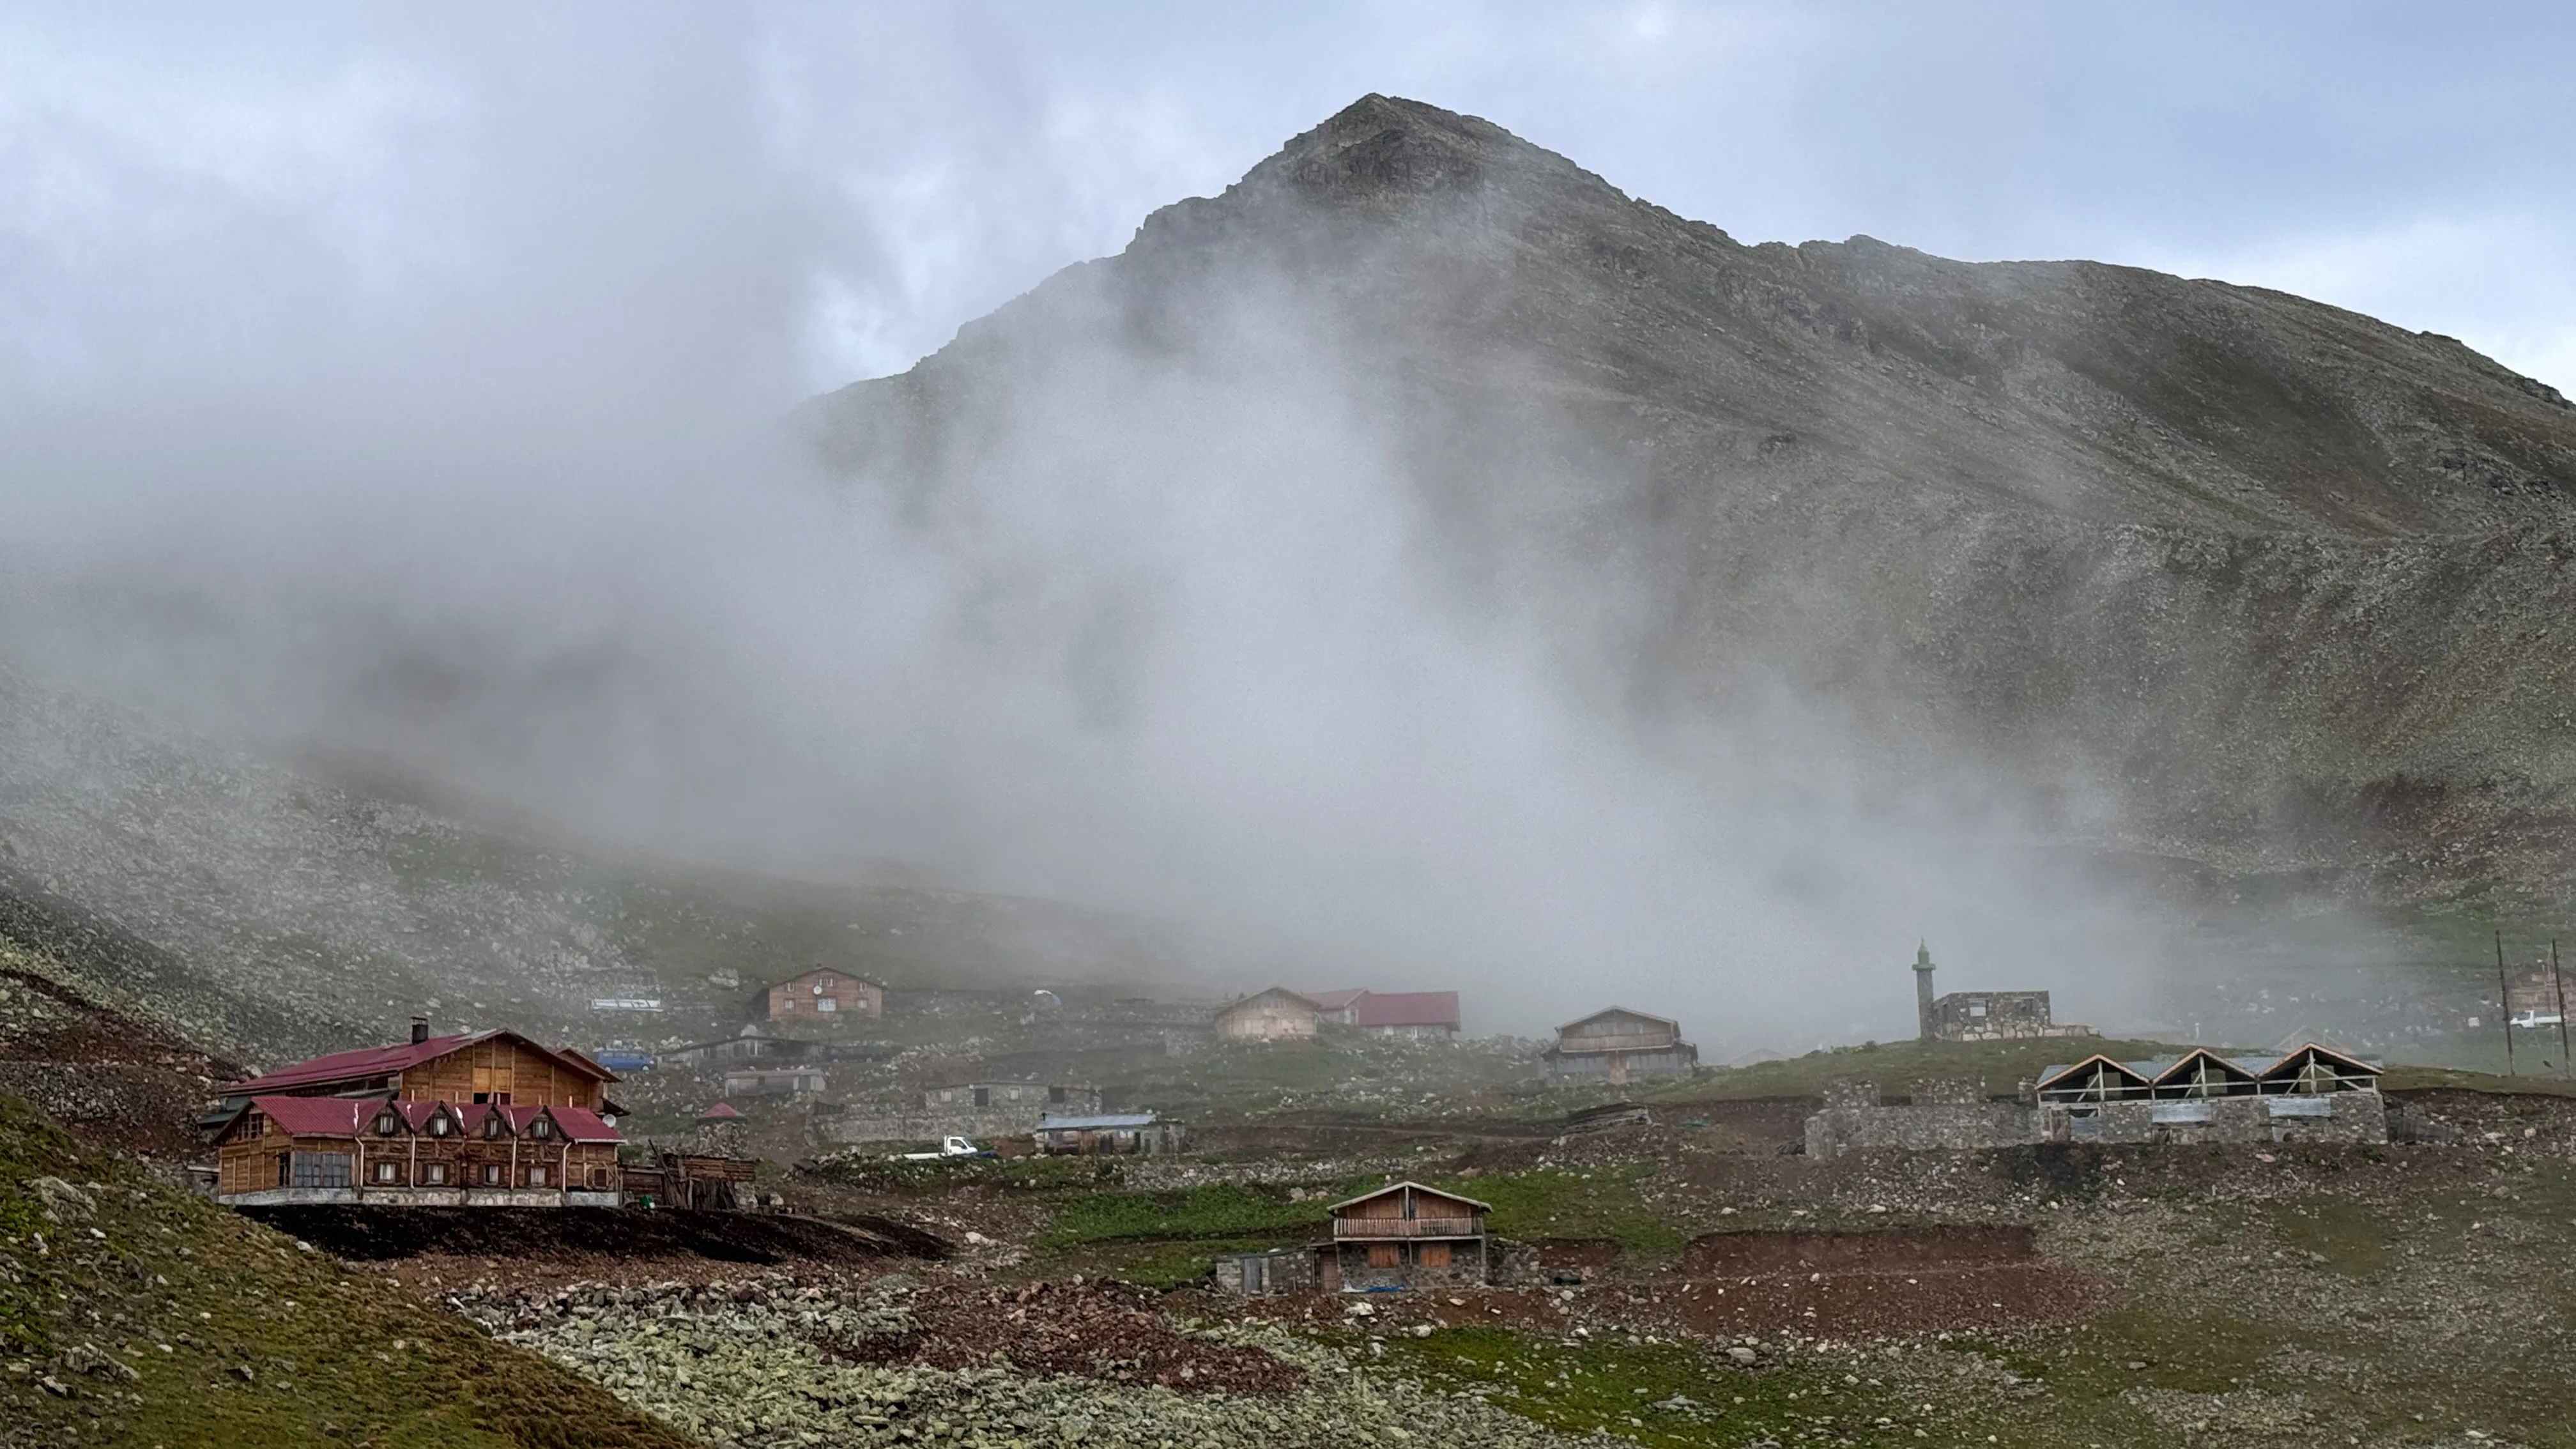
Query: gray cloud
pixel 405 388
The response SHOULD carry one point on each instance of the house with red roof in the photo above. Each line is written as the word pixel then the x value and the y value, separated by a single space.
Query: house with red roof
pixel 1426 1014
pixel 478 1119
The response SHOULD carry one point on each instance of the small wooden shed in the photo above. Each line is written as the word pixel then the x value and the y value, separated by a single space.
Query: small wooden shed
pixel 1406 1235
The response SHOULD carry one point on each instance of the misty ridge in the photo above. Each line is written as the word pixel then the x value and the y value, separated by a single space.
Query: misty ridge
pixel 1420 565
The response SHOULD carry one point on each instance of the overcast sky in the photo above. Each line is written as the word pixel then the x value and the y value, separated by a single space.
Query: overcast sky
pixel 757 201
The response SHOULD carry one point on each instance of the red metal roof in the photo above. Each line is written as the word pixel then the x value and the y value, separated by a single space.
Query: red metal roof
pixel 386 1061
pixel 320 1116
pixel 416 1115
pixel 1408 1008
pixel 720 1112
pixel 580 1124
pixel 1336 1000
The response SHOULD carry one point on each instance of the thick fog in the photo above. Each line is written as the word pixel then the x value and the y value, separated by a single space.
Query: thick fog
pixel 414 405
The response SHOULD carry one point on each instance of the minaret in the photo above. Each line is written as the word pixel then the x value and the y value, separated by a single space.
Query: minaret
pixel 1923 990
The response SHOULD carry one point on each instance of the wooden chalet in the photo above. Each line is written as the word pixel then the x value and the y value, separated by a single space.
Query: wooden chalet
pixel 482 1119
pixel 821 994
pixel 1617 1045
pixel 1272 1015
pixel 1405 1235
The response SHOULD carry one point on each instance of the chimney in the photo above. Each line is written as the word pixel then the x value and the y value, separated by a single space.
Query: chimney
pixel 419 1030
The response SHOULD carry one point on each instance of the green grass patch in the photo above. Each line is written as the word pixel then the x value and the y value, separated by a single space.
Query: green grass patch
pixel 1653 1394
pixel 267 1345
pixel 2342 1236
pixel 1218 1210
pixel 1606 1201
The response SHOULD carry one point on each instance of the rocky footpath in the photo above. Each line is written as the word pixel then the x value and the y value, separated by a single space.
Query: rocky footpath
pixel 766 1363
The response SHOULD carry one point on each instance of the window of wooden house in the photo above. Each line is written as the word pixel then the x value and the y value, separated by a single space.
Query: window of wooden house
pixel 320 1169
pixel 438 1125
pixel 388 1172
pixel 433 1173
pixel 1432 1255
pixel 536 1177
pixel 826 1003
pixel 283 1170
pixel 387 1124
pixel 492 1174
pixel 1384 1255
pixel 493 1126
pixel 541 1128
pixel 599 1177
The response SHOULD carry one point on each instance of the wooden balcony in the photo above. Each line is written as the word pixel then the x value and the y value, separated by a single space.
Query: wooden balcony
pixel 1367 1228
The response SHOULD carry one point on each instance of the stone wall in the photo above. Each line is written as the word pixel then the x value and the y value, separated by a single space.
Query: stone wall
pixel 1281 1270
pixel 1938 1120
pixel 1997 1016
pixel 2327 1117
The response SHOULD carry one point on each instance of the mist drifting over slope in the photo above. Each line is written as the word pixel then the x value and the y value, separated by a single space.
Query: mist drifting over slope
pixel 506 511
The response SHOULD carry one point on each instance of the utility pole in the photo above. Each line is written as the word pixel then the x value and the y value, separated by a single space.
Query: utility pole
pixel 2564 1069
pixel 2504 999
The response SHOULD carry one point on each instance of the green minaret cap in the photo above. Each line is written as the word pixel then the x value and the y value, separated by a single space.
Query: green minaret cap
pixel 1922 956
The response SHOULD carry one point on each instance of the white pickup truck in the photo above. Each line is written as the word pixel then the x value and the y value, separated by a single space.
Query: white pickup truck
pixel 948 1147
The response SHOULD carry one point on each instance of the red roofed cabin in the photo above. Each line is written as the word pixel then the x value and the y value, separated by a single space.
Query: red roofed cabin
pixel 486 1119
pixel 1429 1014
pixel 825 994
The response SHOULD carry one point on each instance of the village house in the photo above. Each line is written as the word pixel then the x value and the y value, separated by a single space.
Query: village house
pixel 483 1119
pixel 1618 1045
pixel 1981 1015
pixel 747 1045
pixel 965 1109
pixel 1431 1015
pixel 1117 1133
pixel 1337 1008
pixel 1405 1235
pixel 823 994
pixel 2308 1093
pixel 1277 1014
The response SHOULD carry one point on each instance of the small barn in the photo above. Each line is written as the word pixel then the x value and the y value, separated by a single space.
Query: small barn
pixel 1277 1014
pixel 1424 1015
pixel 825 994
pixel 1406 1235
pixel 1119 1133
pixel 1618 1045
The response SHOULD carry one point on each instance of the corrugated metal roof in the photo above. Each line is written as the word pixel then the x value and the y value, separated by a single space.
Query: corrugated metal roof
pixel 320 1116
pixel 385 1061
pixel 1481 1207
pixel 1408 1008
pixel 1091 1124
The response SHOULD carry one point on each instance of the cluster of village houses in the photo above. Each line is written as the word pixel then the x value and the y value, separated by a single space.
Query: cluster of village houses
pixel 494 1118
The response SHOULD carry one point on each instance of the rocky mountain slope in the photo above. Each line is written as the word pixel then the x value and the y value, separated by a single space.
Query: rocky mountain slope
pixel 2187 568
pixel 264 914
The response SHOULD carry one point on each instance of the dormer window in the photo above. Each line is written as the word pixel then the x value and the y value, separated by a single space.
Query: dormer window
pixel 493 1126
pixel 387 1124
pixel 438 1125
pixel 541 1128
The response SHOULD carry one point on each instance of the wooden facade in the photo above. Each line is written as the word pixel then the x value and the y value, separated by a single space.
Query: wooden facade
pixel 381 1150
pixel 1406 1235
pixel 824 994
pixel 491 1118
pixel 1273 1015
pixel 1617 1045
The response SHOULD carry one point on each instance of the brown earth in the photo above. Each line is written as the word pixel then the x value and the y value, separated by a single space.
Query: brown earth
pixel 1106 1331
pixel 128 1085
pixel 560 1238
